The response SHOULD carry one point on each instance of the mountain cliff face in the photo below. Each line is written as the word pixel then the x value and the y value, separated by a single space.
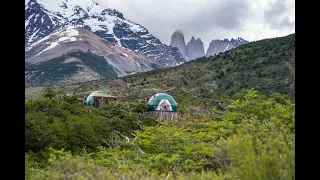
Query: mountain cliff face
pixel 217 46
pixel 195 49
pixel 177 40
pixel 43 18
pixel 73 39
pixel 74 55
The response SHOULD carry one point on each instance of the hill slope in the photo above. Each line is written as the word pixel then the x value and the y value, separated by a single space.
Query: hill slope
pixel 69 40
pixel 266 65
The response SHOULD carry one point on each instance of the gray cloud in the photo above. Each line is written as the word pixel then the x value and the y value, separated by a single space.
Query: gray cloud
pixel 275 16
pixel 207 19
pixel 215 20
pixel 227 16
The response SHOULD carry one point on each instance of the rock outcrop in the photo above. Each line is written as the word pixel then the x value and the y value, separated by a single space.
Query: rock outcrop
pixel 195 49
pixel 217 46
pixel 177 40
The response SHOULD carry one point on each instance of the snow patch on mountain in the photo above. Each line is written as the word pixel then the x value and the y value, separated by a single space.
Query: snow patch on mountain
pixel 66 7
pixel 66 35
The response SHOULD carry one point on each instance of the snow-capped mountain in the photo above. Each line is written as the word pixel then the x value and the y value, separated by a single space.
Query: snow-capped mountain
pixel 71 39
pixel 75 54
pixel 44 17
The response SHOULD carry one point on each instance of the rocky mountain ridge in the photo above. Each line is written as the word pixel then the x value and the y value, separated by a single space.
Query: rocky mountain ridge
pixel 195 49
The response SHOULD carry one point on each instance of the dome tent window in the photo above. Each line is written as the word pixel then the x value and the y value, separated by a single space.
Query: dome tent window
pixel 164 105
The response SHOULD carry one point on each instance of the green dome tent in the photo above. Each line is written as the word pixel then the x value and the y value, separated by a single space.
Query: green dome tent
pixel 90 98
pixel 69 94
pixel 162 102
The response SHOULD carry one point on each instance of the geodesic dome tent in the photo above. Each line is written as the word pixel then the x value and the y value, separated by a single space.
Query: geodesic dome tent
pixel 162 102
pixel 90 98
pixel 69 94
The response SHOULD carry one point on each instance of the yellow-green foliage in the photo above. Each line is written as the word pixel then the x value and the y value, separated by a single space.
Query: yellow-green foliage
pixel 254 138
pixel 64 165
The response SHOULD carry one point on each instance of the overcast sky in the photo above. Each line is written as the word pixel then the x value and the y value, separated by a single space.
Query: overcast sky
pixel 210 19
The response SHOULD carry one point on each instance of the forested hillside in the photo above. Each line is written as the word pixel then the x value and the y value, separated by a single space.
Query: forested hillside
pixel 236 120
pixel 60 70
pixel 253 138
